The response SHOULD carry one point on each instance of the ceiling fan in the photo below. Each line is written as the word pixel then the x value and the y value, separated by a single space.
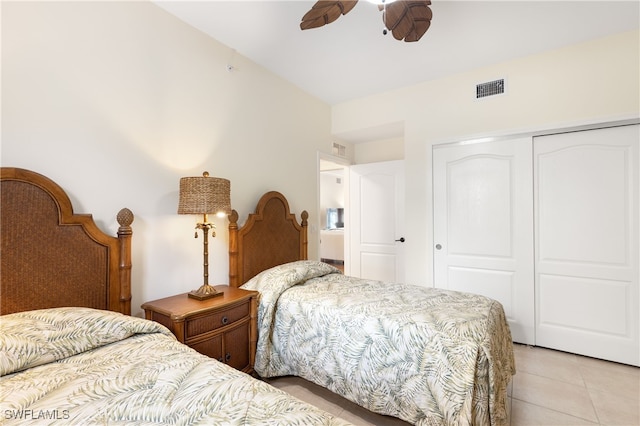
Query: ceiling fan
pixel 407 20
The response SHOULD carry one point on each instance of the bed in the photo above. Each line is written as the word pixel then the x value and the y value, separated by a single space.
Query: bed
pixel 70 353
pixel 427 356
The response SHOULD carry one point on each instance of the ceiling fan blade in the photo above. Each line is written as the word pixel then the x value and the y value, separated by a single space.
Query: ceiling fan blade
pixel 407 19
pixel 325 12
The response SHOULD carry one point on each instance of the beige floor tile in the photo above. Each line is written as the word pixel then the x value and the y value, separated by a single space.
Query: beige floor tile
pixel 525 414
pixel 548 363
pixel 555 395
pixel 310 393
pixel 622 380
pixel 332 403
pixel 609 365
pixel 614 410
pixel 361 417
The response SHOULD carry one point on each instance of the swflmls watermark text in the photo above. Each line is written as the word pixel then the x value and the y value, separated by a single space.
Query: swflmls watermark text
pixel 36 414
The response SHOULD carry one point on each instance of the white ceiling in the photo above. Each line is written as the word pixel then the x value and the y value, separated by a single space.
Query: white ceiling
pixel 351 58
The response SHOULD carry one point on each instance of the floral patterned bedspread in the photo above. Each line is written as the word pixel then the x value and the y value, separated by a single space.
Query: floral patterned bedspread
pixel 77 366
pixel 428 356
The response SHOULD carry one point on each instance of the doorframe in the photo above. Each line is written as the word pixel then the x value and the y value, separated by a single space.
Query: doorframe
pixel 323 157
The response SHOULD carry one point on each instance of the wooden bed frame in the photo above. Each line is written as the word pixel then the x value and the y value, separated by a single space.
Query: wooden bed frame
pixel 52 257
pixel 271 236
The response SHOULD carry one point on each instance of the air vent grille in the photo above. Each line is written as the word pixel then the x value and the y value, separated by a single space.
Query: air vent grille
pixel 339 150
pixel 491 88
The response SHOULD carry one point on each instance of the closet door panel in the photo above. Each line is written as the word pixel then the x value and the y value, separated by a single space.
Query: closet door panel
pixel 483 225
pixel 597 295
pixel 480 206
pixel 584 187
pixel 586 236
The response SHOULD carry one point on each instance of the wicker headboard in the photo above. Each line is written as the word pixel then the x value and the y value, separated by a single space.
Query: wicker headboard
pixel 271 236
pixel 52 257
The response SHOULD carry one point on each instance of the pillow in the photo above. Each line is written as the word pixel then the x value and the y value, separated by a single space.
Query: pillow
pixel 288 274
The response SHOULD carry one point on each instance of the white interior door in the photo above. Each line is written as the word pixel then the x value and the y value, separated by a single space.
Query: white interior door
pixel 483 225
pixel 586 220
pixel 375 221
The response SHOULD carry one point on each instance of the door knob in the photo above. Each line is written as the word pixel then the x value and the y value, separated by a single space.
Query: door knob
pixel 438 247
pixel 401 239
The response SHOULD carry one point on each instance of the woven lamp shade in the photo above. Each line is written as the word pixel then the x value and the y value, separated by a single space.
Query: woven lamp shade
pixel 204 195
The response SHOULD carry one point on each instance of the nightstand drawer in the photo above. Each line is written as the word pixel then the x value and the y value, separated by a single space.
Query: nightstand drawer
pixel 213 321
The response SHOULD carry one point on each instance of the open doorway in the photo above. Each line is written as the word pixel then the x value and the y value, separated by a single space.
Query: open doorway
pixel 333 192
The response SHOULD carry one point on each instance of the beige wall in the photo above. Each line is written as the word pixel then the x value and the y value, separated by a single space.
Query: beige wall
pixel 581 84
pixel 378 150
pixel 116 101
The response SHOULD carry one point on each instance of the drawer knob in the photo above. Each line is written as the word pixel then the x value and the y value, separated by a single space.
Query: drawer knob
pixel 227 357
pixel 225 320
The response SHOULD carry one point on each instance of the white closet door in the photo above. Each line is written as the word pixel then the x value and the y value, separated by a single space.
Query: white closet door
pixel 586 221
pixel 483 225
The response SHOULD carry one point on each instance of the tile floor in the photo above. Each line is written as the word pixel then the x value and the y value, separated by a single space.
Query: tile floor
pixel 550 388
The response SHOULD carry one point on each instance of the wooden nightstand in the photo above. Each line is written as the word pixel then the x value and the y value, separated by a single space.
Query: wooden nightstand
pixel 224 327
